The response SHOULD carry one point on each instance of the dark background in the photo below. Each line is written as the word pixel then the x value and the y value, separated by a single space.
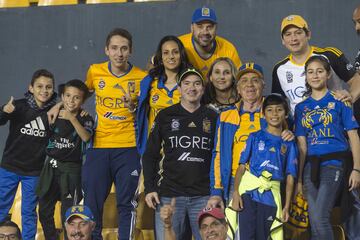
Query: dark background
pixel 67 39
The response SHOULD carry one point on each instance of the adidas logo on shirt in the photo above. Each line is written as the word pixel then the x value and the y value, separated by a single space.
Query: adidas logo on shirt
pixel 34 128
pixel 135 173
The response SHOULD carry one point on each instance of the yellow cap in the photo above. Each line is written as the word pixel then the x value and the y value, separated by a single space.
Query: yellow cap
pixel 295 20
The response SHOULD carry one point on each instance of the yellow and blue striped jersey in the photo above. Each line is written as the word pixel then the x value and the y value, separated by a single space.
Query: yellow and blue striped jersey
pixel 114 123
pixel 223 48
pixel 160 98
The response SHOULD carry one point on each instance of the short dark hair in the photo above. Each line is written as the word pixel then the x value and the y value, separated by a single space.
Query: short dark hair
pixel 119 32
pixel 9 223
pixel 42 73
pixel 275 99
pixel 76 83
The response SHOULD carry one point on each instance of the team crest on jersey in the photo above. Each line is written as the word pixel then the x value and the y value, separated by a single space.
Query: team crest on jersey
pixel 101 84
pixel 206 125
pixel 349 66
pixel 205 12
pixel 131 86
pixel 289 77
pixel 261 146
pixel 175 125
pixel 155 98
pixel 283 149
pixel 324 116
pixel 331 105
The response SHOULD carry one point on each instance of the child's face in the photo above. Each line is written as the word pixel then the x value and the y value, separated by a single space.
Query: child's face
pixel 42 90
pixel 275 115
pixel 72 98
pixel 317 76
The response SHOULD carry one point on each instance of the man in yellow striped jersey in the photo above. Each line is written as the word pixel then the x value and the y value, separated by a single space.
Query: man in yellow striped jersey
pixel 113 156
pixel 203 46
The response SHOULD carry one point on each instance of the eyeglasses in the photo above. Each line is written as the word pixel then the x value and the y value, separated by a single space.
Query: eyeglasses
pixel 12 236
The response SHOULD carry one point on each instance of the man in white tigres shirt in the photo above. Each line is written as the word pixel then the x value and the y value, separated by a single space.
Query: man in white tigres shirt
pixel 288 74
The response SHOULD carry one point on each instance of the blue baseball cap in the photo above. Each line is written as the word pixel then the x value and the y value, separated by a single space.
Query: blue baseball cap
pixel 250 67
pixel 204 14
pixel 80 211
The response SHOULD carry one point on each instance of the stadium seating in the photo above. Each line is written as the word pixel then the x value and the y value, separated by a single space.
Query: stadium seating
pixel 56 2
pixel 14 3
pixel 104 1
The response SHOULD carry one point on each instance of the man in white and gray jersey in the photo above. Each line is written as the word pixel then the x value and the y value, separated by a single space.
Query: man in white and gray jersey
pixel 288 75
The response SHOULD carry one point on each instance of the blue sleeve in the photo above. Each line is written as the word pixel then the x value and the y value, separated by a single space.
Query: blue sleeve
pixel 347 116
pixel 246 153
pixel 292 160
pixel 215 157
pixel 299 129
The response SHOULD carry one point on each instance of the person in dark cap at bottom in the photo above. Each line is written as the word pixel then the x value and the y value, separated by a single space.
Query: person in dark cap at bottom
pixel 79 223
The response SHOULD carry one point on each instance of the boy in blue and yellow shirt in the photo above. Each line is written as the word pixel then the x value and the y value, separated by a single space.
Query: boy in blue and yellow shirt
pixel 265 162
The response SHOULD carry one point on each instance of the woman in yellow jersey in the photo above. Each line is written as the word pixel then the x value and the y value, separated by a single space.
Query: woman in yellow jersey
pixel 221 90
pixel 158 90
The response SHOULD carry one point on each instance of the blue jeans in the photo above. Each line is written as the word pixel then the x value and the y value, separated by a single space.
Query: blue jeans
pixel 185 207
pixel 9 182
pixel 352 224
pixel 321 200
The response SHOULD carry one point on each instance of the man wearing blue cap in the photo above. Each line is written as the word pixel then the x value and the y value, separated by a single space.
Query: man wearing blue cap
pixel 79 223
pixel 202 45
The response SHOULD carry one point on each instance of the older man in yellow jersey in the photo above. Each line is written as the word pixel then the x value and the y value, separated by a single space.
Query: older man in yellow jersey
pixel 202 45
pixel 113 156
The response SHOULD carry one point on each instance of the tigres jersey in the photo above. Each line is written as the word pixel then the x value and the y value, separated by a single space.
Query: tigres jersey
pixel 160 98
pixel 324 122
pixel 267 152
pixel 223 48
pixel 250 122
pixel 114 123
pixel 288 77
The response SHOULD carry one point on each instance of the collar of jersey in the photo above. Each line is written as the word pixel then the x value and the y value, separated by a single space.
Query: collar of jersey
pixel 161 84
pixel 129 69
pixel 303 64
pixel 212 50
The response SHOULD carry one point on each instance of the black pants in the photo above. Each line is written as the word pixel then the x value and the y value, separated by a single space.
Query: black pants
pixel 57 193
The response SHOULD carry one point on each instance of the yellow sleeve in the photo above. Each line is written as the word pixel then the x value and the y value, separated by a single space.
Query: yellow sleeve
pixel 89 79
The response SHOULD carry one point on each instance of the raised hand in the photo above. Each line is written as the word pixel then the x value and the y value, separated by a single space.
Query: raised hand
pixel 167 211
pixel 9 107
pixel 127 100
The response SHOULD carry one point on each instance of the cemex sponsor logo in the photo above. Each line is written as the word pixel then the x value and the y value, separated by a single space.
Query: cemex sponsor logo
pixel 34 128
pixel 267 163
pixel 113 117
pixel 185 156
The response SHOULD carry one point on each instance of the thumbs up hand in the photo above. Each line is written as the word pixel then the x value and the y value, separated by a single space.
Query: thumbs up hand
pixel 9 107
